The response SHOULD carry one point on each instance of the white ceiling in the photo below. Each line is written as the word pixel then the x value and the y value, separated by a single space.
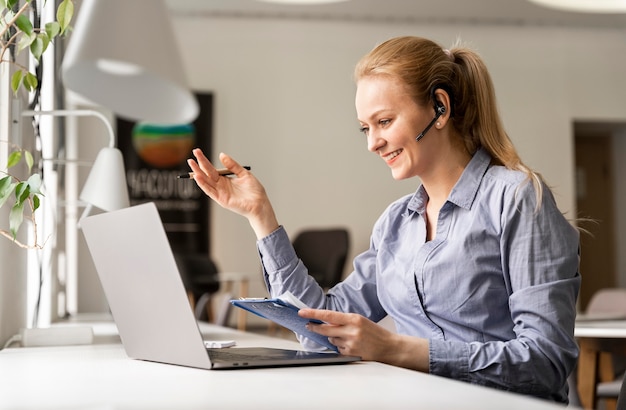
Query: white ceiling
pixel 495 12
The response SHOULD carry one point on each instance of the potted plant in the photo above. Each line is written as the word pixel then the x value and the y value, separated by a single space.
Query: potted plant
pixel 18 34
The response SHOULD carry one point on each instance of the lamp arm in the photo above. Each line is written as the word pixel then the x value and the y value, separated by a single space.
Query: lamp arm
pixel 76 113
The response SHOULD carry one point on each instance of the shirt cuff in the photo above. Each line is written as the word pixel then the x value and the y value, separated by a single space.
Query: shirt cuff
pixel 276 250
pixel 449 359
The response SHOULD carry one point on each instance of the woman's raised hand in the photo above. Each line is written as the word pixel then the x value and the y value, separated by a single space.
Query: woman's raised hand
pixel 242 194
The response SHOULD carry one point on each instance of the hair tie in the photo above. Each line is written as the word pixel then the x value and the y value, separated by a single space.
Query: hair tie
pixel 449 54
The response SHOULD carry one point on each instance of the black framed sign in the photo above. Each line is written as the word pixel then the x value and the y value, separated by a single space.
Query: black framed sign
pixel 154 155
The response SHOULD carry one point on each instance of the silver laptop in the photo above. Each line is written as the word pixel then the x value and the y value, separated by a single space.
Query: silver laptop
pixel 149 303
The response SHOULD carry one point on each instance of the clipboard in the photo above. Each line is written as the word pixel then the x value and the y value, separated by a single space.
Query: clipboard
pixel 283 310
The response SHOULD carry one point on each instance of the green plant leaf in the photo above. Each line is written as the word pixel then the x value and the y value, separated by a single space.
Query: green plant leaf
pixel 36 48
pixel 25 41
pixel 25 194
pixel 16 217
pixel 6 193
pixel 28 157
pixel 65 11
pixel 36 202
pixel 45 41
pixel 23 23
pixel 16 81
pixel 53 29
pixel 34 184
pixel 6 189
pixel 10 3
pixel 14 158
pixel 4 184
pixel 30 81
pixel 22 192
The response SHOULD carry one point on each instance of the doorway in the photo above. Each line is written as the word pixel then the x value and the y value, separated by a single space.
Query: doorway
pixel 594 199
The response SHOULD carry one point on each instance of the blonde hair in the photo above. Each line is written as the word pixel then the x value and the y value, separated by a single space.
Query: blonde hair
pixel 424 66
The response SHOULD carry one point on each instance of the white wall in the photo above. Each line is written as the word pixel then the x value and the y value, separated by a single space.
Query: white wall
pixel 284 105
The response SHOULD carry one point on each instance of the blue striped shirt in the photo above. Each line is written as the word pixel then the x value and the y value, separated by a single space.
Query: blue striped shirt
pixel 494 292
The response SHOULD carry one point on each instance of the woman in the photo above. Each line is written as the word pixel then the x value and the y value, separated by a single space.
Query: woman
pixel 478 268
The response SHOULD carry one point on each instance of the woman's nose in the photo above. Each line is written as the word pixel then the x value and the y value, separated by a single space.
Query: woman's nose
pixel 374 141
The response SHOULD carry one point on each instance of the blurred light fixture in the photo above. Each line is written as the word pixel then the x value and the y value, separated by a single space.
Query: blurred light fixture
pixel 303 2
pixel 123 55
pixel 585 6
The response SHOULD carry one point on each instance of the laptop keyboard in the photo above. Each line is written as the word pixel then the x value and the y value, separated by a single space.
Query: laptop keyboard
pixel 242 354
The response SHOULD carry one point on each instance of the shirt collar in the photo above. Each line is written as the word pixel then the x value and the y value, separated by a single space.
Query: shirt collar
pixel 465 189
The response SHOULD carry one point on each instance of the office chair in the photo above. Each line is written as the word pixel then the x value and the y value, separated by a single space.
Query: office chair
pixel 324 253
pixel 621 398
pixel 200 277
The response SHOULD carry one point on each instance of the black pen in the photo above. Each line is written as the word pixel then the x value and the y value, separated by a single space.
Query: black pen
pixel 223 172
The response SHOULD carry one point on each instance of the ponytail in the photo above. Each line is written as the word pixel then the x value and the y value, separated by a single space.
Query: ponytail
pixel 478 120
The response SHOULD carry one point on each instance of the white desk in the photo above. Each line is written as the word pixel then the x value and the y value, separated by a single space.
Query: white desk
pixel 100 376
pixel 597 340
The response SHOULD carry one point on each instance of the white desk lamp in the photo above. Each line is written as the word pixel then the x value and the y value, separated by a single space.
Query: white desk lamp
pixel 105 187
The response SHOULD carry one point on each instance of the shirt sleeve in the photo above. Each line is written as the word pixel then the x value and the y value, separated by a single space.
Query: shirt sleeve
pixel 284 271
pixel 539 249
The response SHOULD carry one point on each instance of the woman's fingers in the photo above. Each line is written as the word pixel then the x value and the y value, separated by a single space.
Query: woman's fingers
pixel 328 316
pixel 232 165
pixel 334 325
pixel 205 174
pixel 205 165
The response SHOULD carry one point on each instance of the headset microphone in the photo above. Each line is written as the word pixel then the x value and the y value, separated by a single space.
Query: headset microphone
pixel 440 109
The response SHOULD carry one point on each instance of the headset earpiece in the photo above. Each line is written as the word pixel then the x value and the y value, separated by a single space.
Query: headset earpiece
pixel 440 109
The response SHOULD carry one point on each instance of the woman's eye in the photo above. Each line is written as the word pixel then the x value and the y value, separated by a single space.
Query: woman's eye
pixel 364 130
pixel 384 122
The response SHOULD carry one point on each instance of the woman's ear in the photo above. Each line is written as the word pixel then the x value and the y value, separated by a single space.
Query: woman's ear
pixel 442 106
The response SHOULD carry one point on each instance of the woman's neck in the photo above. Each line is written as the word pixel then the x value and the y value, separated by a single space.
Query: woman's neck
pixel 439 182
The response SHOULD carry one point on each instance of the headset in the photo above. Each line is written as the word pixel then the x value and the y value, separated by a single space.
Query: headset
pixel 440 109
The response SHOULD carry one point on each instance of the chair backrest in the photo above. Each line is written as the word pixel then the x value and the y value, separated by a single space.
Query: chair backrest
pixel 199 273
pixel 324 253
pixel 200 277
pixel 608 301
pixel 621 398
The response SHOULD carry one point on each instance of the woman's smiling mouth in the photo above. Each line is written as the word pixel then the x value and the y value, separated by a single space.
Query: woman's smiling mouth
pixel 392 155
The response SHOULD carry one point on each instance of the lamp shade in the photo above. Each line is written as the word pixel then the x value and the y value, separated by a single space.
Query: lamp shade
pixel 105 187
pixel 122 55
